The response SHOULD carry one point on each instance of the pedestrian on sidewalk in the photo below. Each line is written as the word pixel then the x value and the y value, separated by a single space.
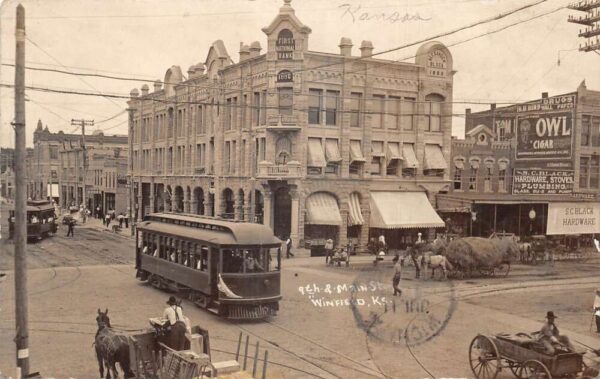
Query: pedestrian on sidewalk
pixel 126 219
pixel 97 212
pixel 328 250
pixel 397 276
pixel 71 226
pixel 288 246
pixel 120 218
pixel 107 219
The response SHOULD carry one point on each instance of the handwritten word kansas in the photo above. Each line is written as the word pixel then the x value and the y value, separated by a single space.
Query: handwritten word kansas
pixel 356 13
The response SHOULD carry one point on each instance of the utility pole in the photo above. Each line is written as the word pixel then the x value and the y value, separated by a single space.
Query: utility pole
pixel 20 236
pixel 131 200
pixel 83 123
pixel 591 21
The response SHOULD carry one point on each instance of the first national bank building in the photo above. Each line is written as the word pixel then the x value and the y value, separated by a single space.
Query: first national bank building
pixel 315 145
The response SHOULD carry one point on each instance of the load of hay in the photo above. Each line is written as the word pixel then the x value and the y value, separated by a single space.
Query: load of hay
pixel 472 252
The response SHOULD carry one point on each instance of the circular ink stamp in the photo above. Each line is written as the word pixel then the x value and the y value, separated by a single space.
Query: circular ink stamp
pixel 417 316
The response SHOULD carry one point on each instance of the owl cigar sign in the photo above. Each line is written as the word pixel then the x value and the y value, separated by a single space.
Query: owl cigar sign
pixel 543 131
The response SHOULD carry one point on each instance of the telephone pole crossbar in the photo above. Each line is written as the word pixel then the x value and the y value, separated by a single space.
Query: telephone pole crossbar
pixel 83 123
pixel 591 21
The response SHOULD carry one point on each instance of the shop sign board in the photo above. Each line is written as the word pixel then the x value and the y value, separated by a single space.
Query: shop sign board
pixel 544 136
pixel 573 218
pixel 285 44
pixel 542 182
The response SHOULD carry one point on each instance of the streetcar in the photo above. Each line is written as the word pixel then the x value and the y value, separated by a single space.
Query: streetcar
pixel 41 220
pixel 230 268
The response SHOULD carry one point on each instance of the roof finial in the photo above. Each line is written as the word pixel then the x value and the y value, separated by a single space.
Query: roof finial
pixel 287 2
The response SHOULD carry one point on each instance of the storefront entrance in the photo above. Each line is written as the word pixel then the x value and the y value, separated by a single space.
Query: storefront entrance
pixel 282 212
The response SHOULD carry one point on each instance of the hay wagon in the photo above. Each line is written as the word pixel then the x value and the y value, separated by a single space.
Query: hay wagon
pixel 522 355
pixel 472 256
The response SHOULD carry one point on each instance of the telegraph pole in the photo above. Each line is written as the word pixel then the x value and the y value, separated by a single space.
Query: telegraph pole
pixel 131 200
pixel 83 123
pixel 591 21
pixel 20 236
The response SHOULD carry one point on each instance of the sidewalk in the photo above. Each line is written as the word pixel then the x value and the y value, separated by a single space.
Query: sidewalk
pixel 95 223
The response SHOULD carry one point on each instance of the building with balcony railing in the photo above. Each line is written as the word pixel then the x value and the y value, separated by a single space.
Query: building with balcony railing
pixel 316 145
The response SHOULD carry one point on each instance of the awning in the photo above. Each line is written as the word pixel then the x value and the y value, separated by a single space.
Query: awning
pixel 332 152
pixel 354 213
pixel 316 156
pixel 410 159
pixel 322 209
pixel 434 159
pixel 393 152
pixel 356 154
pixel 403 210
pixel 377 149
pixel 573 218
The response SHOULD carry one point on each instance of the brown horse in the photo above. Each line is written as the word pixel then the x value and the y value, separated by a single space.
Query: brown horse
pixel 111 348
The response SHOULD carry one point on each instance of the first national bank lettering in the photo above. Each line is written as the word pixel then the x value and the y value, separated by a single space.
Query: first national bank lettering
pixel 285 45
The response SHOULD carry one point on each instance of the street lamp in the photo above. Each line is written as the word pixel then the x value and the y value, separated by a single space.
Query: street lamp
pixel 531 218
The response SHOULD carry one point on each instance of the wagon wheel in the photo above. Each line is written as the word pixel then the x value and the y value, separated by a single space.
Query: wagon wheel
pixel 503 269
pixel 516 369
pixel 534 369
pixel 484 358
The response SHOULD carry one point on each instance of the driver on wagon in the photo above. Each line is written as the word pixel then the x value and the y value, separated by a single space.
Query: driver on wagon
pixel 549 335
pixel 175 325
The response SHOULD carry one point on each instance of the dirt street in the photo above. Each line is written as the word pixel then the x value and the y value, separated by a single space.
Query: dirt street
pixel 320 330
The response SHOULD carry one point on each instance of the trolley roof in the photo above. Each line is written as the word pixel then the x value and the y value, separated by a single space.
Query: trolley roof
pixel 35 206
pixel 214 231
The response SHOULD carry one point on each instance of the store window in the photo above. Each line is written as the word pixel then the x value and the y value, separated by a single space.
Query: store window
pixel 458 173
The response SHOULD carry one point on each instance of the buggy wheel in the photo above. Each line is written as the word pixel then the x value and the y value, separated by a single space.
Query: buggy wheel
pixel 534 369
pixel 516 369
pixel 503 269
pixel 484 358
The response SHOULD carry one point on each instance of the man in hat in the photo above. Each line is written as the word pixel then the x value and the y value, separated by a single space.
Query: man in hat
pixel 549 335
pixel 397 276
pixel 175 325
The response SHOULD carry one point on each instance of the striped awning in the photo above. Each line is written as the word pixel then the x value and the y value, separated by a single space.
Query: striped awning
pixel 355 216
pixel 410 159
pixel 434 159
pixel 316 156
pixel 393 152
pixel 322 209
pixel 356 154
pixel 332 152
pixel 403 210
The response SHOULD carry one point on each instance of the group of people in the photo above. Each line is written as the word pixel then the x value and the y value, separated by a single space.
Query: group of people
pixel 111 215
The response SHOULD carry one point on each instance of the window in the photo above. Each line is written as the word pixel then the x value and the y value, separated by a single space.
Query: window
pixel 408 111
pixel 200 120
pixel 501 180
pixel 394 112
pixel 355 106
pixel 331 106
pixel 356 168
pixel 315 99
pixel 595 131
pixel 589 172
pixel 263 107
pixel 227 163
pixel 458 179
pixel 585 130
pixel 376 165
pixel 53 152
pixel 286 100
pixel 473 180
pixel 170 123
pixel 378 110
pixel 433 112
pixel 595 171
pixel 488 179
pixel 228 115
pixel 234 113
pixel 233 161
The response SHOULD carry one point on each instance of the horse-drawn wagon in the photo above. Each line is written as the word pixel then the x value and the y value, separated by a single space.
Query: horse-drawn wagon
pixel 470 256
pixel 523 356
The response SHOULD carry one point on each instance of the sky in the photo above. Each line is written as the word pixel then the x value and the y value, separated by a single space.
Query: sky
pixel 143 38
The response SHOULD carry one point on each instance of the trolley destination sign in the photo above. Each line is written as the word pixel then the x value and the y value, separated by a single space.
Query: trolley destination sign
pixel 543 182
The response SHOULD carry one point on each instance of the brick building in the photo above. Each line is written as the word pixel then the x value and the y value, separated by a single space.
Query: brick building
pixel 313 144
pixel 521 167
pixel 106 156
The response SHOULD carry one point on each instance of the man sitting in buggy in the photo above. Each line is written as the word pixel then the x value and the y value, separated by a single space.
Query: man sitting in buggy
pixel 549 336
pixel 340 255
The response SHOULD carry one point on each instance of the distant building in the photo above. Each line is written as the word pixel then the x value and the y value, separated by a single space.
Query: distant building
pixel 7 183
pixel 524 168
pixel 107 179
pixel 6 158
pixel 315 145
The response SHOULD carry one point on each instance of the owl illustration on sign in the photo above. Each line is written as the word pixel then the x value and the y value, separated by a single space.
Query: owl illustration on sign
pixel 524 128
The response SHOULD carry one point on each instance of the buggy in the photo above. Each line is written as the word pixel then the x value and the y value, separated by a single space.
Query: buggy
pixel 522 355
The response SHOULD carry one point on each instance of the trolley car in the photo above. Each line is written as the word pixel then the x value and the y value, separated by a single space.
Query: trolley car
pixel 230 268
pixel 41 219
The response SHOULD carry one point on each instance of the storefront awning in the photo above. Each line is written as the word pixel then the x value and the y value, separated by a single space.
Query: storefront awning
pixel 434 159
pixel 316 156
pixel 393 152
pixel 377 149
pixel 573 218
pixel 354 213
pixel 332 152
pixel 410 159
pixel 403 210
pixel 322 209
pixel 356 154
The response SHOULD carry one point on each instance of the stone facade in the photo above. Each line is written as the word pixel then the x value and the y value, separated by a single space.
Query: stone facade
pixel 239 139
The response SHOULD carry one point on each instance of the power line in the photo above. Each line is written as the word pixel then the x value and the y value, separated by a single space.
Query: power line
pixel 112 117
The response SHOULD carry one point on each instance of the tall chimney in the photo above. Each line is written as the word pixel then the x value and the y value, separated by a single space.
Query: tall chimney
pixel 492 106
pixel 544 95
pixel 366 49
pixel 345 47
pixel 255 49
pixel 468 111
pixel 244 52
pixel 157 85
pixel 145 90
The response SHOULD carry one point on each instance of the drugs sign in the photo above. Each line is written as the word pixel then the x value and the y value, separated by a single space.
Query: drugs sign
pixel 543 182
pixel 545 136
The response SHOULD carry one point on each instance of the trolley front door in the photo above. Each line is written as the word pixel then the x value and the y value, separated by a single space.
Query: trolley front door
pixel 215 269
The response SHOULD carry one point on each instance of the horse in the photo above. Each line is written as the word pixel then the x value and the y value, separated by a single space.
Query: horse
pixel 526 252
pixel 111 348
pixel 437 262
